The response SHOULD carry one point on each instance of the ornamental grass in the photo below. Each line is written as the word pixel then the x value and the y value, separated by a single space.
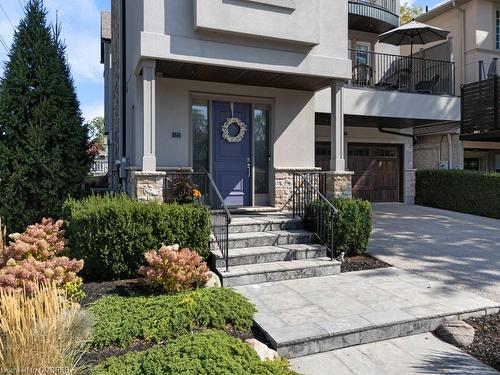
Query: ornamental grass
pixel 41 333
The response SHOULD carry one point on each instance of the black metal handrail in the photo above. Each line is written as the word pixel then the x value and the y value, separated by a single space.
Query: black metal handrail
pixel 403 73
pixel 311 205
pixel 390 5
pixel 182 185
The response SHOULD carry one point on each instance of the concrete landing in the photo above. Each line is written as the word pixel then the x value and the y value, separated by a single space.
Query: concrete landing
pixel 420 354
pixel 308 316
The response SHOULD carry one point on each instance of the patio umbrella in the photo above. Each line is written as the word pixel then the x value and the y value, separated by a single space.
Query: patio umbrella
pixel 413 33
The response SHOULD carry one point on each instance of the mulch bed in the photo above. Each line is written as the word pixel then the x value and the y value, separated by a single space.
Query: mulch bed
pixel 122 288
pixel 362 263
pixel 486 345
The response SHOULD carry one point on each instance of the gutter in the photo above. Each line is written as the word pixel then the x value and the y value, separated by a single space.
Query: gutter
pixel 464 55
pixel 382 130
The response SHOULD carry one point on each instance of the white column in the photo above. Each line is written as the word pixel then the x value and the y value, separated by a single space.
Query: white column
pixel 149 112
pixel 337 162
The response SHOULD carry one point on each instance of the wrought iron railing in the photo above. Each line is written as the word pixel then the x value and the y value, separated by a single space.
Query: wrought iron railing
pixel 390 5
pixel 311 205
pixel 403 73
pixel 200 188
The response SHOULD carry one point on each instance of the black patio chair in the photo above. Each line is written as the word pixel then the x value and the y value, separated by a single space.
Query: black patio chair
pixel 362 75
pixel 427 87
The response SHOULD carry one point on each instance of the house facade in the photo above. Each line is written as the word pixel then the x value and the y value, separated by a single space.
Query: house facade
pixel 474 47
pixel 253 91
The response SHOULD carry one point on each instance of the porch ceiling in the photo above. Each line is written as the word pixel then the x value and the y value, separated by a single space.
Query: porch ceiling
pixel 491 136
pixel 211 73
pixel 374 121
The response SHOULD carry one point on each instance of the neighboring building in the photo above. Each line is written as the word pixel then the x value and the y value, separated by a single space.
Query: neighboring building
pixel 473 45
pixel 175 71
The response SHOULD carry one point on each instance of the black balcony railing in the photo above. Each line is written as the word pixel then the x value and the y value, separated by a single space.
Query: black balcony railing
pixel 390 5
pixel 403 73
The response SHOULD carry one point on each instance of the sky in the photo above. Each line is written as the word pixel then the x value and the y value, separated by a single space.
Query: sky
pixel 80 21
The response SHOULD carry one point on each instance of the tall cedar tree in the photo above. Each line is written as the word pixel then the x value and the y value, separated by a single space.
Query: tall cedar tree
pixel 43 142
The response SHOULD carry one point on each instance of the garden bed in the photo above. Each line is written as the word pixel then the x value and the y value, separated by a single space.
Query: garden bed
pixel 362 263
pixel 486 345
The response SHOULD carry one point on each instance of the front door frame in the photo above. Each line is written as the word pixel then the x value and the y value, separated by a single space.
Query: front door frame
pixel 255 102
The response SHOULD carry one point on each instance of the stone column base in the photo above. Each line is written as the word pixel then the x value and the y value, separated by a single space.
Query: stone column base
pixel 147 186
pixel 339 184
pixel 409 185
pixel 283 185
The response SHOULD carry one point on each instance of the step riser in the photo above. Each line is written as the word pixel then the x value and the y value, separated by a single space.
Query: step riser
pixel 271 241
pixel 247 228
pixel 353 338
pixel 266 277
pixel 273 257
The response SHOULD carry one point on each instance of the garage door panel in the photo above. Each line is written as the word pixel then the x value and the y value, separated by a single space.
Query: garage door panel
pixel 377 172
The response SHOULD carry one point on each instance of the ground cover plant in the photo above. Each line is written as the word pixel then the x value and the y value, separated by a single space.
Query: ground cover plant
pixel 210 352
pixel 121 320
pixel 112 234
pixel 171 269
pixel 351 227
pixel 472 192
pixel 41 331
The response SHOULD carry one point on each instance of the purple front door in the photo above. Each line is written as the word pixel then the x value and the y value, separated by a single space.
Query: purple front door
pixel 231 160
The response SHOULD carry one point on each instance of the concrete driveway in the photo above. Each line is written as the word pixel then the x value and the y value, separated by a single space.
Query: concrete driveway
pixel 451 247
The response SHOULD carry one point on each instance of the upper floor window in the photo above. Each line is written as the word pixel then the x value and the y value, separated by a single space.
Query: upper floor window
pixel 497 31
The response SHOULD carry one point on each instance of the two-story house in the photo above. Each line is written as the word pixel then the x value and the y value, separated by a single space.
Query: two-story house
pixel 252 91
pixel 473 46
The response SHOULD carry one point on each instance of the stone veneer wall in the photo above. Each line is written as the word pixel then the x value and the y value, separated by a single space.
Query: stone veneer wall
pixel 409 186
pixel 339 184
pixel 146 186
pixel 283 185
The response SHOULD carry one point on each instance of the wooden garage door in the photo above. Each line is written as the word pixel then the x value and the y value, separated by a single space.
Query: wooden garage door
pixel 377 172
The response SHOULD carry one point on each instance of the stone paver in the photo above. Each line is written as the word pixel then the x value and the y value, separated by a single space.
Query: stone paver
pixel 306 316
pixel 458 249
pixel 419 354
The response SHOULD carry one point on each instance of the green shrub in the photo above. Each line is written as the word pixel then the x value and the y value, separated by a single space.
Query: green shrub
pixel 120 320
pixel 112 234
pixel 206 353
pixel 352 225
pixel 470 192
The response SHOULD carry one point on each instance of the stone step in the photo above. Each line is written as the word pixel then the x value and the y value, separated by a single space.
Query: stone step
pixel 273 238
pixel 264 223
pixel 278 271
pixel 270 254
pixel 303 317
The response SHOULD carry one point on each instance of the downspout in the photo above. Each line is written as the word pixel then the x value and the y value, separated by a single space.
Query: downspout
pixel 124 80
pixel 464 55
pixel 450 152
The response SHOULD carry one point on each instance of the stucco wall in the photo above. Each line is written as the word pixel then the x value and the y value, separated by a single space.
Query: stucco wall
pixel 371 102
pixel 292 122
pixel 170 32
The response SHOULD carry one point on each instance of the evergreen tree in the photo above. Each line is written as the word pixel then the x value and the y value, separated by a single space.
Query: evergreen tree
pixel 43 142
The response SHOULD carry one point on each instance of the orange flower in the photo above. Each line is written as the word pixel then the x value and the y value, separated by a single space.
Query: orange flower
pixel 196 194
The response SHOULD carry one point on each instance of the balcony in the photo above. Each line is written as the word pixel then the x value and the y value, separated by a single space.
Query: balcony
pixel 481 111
pixel 402 73
pixel 373 16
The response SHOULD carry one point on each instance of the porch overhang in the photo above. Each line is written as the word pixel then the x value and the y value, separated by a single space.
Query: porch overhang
pixel 490 136
pixel 240 76
pixel 376 121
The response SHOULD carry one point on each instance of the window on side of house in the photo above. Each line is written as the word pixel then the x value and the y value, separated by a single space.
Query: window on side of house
pixel 199 122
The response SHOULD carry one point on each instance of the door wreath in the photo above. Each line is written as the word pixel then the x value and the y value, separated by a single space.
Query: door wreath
pixel 238 137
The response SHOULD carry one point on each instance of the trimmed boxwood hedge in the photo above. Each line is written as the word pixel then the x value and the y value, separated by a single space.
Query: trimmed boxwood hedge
pixel 206 353
pixel 112 233
pixel 121 320
pixel 472 192
pixel 353 224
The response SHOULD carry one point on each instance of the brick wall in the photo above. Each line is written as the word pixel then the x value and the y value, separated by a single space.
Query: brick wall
pixel 431 149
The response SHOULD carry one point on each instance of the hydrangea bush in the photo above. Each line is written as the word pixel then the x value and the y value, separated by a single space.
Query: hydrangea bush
pixel 174 270
pixel 40 241
pixel 32 259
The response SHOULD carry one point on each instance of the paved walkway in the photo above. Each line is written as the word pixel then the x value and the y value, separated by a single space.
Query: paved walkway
pixel 455 248
pixel 302 317
pixel 420 354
